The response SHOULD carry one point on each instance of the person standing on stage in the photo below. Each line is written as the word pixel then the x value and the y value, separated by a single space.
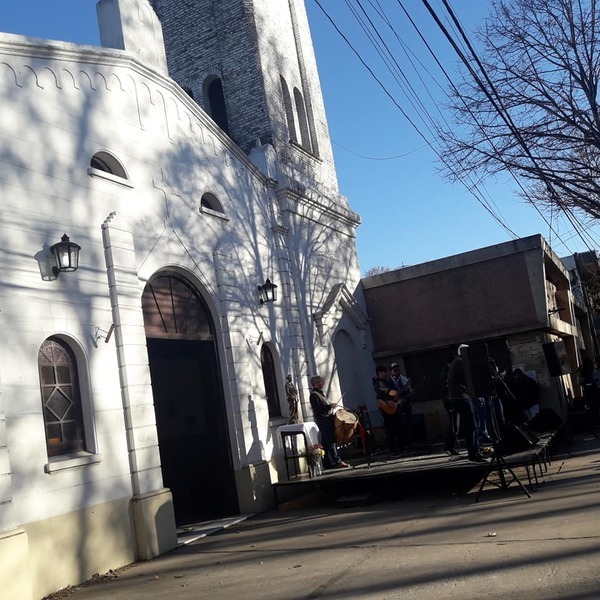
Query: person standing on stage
pixel 387 402
pixel 405 397
pixel 460 403
pixel 323 413
pixel 452 435
pixel 525 397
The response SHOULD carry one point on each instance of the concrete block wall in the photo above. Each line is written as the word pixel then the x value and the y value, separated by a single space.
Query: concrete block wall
pixel 527 353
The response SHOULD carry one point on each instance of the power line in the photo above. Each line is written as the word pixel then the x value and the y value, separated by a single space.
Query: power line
pixel 473 188
pixel 498 105
pixel 390 62
pixel 495 99
pixel 397 156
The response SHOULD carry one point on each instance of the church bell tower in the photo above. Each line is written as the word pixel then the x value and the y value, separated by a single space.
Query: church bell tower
pixel 250 65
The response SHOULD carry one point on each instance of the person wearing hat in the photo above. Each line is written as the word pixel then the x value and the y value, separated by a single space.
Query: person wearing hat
pixel 460 403
pixel 389 407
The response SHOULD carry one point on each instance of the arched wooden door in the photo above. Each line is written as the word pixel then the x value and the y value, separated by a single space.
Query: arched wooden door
pixel 188 400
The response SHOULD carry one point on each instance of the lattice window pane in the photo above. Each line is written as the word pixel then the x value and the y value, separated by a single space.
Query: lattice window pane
pixel 47 375
pixel 63 374
pixel 60 398
pixel 50 417
pixel 70 433
pixel 54 432
pixel 58 404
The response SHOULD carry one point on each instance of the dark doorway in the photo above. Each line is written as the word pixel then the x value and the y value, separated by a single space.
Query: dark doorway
pixel 188 401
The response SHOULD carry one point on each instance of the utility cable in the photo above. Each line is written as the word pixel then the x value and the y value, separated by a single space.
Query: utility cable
pixel 495 101
pixel 514 130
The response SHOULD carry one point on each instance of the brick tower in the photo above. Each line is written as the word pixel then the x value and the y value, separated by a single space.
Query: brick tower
pixel 250 64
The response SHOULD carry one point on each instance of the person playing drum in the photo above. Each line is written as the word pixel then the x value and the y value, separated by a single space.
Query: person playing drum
pixel 323 413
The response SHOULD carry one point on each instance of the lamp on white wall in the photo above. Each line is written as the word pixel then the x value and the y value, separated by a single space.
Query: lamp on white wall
pixel 66 255
pixel 267 292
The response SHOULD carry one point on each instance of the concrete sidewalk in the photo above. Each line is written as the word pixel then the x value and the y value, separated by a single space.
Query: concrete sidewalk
pixel 506 547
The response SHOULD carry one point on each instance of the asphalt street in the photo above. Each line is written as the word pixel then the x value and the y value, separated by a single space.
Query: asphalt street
pixel 423 546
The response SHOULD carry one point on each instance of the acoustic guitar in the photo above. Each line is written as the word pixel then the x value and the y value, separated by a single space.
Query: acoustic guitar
pixel 390 406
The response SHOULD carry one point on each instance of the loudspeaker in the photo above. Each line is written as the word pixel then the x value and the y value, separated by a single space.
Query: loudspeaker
pixel 516 438
pixel 476 363
pixel 556 358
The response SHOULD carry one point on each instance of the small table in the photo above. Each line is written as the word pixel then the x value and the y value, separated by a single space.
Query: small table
pixel 289 438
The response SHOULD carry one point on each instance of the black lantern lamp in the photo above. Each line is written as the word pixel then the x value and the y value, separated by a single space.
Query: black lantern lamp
pixel 267 292
pixel 66 255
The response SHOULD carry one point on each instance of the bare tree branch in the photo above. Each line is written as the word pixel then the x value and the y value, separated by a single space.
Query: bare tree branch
pixel 542 59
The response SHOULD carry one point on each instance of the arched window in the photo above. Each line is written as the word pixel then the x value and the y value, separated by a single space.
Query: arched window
pixel 211 202
pixel 289 110
pixel 215 102
pixel 303 120
pixel 106 162
pixel 270 379
pixel 61 398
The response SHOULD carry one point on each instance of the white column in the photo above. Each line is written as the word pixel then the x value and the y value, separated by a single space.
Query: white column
pixel 152 503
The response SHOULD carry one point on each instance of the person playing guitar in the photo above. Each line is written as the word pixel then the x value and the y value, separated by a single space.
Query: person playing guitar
pixel 388 402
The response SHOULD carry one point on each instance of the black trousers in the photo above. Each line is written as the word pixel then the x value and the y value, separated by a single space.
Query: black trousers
pixel 460 412
pixel 327 431
pixel 395 431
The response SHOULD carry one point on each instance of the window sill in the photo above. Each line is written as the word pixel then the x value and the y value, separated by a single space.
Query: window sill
pixel 109 176
pixel 304 151
pixel 71 462
pixel 214 213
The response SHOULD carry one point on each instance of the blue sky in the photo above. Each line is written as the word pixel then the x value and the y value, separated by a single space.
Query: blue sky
pixel 409 213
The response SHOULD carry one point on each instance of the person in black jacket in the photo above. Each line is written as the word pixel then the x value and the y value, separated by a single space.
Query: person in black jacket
pixel 323 413
pixel 524 404
pixel 460 403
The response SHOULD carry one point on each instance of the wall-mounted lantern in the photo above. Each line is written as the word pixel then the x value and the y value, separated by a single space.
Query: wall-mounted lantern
pixel 267 292
pixel 66 255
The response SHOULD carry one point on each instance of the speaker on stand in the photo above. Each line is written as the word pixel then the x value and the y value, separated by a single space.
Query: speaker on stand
pixel 476 362
pixel 558 364
pixel 556 358
pixel 480 379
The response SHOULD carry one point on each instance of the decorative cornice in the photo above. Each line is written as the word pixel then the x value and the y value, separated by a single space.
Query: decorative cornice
pixel 98 68
pixel 339 297
pixel 321 204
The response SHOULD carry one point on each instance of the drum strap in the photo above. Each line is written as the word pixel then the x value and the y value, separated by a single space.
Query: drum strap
pixel 321 396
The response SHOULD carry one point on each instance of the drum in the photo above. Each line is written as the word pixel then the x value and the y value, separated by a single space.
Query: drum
pixel 345 424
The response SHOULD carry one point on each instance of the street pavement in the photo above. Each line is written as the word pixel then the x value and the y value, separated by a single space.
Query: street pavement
pixel 423 546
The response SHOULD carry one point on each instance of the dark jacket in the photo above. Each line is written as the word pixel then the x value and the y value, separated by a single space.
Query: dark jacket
pixel 457 386
pixel 382 388
pixel 321 407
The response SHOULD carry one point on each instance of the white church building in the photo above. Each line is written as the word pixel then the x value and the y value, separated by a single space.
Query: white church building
pixel 186 163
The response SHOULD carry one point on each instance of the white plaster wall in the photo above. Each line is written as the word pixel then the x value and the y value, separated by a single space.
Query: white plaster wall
pixel 66 105
pixel 66 109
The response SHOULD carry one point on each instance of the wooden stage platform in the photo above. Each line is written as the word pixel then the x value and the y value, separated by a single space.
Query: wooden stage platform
pixel 426 469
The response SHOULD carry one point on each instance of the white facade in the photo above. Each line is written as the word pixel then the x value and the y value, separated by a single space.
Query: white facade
pixel 65 517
